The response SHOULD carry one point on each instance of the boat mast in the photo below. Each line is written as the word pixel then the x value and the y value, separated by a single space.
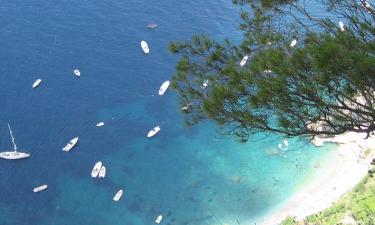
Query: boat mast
pixel 13 140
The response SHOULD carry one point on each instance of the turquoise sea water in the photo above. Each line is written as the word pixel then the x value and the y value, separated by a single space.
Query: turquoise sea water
pixel 191 176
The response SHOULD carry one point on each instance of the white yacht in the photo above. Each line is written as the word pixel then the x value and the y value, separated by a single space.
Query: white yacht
pixel 293 43
pixel 244 60
pixel 13 154
pixel 100 124
pixel 164 87
pixel 154 131
pixel 158 219
pixel 40 188
pixel 102 172
pixel 71 144
pixel 36 83
pixel 118 195
pixel 145 47
pixel 152 25
pixel 77 72
pixel 95 171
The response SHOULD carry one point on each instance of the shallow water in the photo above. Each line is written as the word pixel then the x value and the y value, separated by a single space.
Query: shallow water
pixel 191 176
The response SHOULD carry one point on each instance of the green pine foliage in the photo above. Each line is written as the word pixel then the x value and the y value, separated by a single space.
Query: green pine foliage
pixel 328 78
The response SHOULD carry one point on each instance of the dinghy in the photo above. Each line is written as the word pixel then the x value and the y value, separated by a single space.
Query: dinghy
pixel 244 60
pixel 95 171
pixel 102 172
pixel 36 83
pixel 100 124
pixel 154 131
pixel 118 195
pixel 40 188
pixel 158 219
pixel 342 27
pixel 71 144
pixel 293 43
pixel 77 72
pixel 164 87
pixel 145 47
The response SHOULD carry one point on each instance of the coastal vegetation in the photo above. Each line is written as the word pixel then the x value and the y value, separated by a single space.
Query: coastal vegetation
pixel 356 207
pixel 302 68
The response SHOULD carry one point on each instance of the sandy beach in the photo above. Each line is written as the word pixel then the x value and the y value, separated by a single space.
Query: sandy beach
pixel 344 170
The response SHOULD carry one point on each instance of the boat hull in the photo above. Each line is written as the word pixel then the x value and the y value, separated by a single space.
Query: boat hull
pixel 13 155
pixel 95 171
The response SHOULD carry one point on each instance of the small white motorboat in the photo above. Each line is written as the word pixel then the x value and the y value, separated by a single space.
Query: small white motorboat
pixel 40 188
pixel 118 195
pixel 342 26
pixel 244 60
pixel 145 47
pixel 71 144
pixel 102 172
pixel 293 43
pixel 152 25
pixel 77 72
pixel 158 219
pixel 13 154
pixel 100 124
pixel 154 131
pixel 95 171
pixel 36 83
pixel 205 84
pixel 164 87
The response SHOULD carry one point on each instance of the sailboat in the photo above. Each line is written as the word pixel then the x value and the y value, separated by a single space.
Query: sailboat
pixel 13 154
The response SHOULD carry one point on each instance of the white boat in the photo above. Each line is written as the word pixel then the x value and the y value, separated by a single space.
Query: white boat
pixel 145 47
pixel 164 87
pixel 342 27
pixel 71 144
pixel 244 60
pixel 286 143
pixel 205 84
pixel 77 72
pixel 118 195
pixel 13 154
pixel 102 172
pixel 152 25
pixel 36 83
pixel 158 219
pixel 293 43
pixel 100 124
pixel 154 131
pixel 95 171
pixel 40 188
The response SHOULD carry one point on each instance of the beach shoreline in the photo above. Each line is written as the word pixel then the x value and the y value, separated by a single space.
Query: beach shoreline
pixel 346 168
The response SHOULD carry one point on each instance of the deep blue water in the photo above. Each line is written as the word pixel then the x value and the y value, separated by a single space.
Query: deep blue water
pixel 192 176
